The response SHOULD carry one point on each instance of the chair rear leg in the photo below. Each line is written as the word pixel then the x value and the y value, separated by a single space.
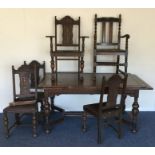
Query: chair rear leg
pixel 120 127
pixel 34 125
pixel 84 119
pixel 81 68
pixel 42 106
pixel 6 124
pixel 100 126
pixel 17 118
pixel 42 112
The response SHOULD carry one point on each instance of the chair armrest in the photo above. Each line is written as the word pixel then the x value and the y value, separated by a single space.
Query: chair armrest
pixel 84 37
pixel 127 36
pixel 51 42
pixel 83 41
pixel 50 36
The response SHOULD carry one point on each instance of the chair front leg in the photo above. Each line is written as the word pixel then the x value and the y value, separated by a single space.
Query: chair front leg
pixel 6 124
pixel 100 125
pixel 34 125
pixel 120 127
pixel 17 118
pixel 81 68
pixel 42 106
pixel 84 118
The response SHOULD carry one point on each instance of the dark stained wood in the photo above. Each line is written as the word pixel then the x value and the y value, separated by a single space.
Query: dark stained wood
pixel 69 83
pixel 108 41
pixel 25 101
pixel 69 80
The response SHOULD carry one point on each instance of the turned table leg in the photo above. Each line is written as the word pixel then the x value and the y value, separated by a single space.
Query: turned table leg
pixel 135 111
pixel 52 102
pixel 46 112
pixel 6 123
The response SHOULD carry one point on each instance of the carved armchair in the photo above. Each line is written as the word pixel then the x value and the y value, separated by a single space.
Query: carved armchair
pixel 67 44
pixel 110 47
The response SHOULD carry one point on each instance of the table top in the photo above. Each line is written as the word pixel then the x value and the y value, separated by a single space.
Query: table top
pixel 70 80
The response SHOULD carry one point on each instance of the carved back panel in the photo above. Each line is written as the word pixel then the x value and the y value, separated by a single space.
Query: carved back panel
pixel 32 65
pixel 114 86
pixel 35 64
pixel 67 31
pixel 107 31
pixel 22 82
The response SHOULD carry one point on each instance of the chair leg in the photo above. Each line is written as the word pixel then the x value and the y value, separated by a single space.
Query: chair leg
pixel 100 126
pixel 126 62
pixel 52 64
pixel 6 124
pixel 81 68
pixel 17 118
pixel 117 66
pixel 34 124
pixel 84 118
pixel 120 127
pixel 42 106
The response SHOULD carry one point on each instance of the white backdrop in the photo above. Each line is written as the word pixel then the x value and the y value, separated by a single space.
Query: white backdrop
pixel 22 37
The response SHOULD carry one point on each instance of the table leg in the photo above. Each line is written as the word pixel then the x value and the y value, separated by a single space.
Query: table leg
pixel 53 107
pixel 135 111
pixel 47 112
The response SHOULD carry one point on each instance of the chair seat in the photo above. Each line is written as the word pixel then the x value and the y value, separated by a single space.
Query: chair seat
pixel 67 53
pixel 92 108
pixel 98 63
pixel 107 112
pixel 22 102
pixel 21 108
pixel 40 95
pixel 111 52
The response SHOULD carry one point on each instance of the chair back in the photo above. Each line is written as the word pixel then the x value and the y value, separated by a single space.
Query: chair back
pixel 21 83
pixel 114 86
pixel 40 71
pixel 107 32
pixel 67 33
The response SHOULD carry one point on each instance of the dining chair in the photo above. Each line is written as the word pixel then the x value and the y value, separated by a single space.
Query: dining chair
pixel 67 44
pixel 108 107
pixel 24 101
pixel 110 46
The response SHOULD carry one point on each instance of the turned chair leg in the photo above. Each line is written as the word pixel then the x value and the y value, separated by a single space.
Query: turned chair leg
pixel 34 124
pixel 6 124
pixel 120 127
pixel 17 118
pixel 100 126
pixel 84 118
pixel 42 107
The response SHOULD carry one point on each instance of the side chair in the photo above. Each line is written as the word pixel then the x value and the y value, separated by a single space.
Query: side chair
pixel 24 101
pixel 109 108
